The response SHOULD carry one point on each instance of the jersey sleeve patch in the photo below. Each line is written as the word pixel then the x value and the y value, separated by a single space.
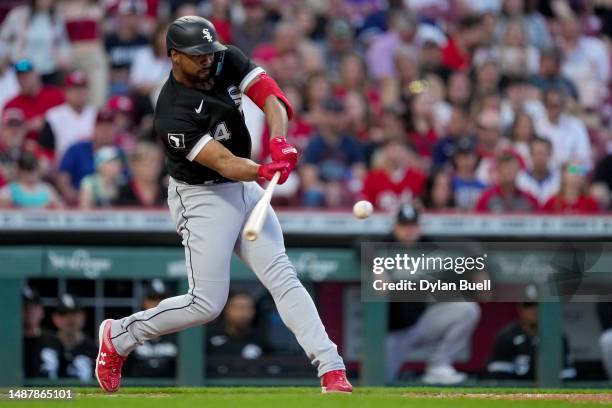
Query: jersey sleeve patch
pixel 176 140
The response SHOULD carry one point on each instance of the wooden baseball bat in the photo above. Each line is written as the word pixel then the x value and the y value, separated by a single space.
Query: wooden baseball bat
pixel 253 226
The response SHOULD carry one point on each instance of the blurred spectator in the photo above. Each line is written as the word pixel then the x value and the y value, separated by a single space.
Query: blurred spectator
pixel 487 77
pixel 71 121
pixel 604 313
pixel 36 31
pixel 337 51
pixel 34 98
pixel 549 73
pixel 28 190
pixel 84 25
pixel 521 134
pixel 466 187
pixel 333 161
pixel 8 79
pixel 586 62
pixel 533 23
pixel 489 143
pixel 541 179
pixel 514 54
pixel 394 179
pixel 381 53
pixel 572 197
pixel 567 133
pixel 519 96
pixel 457 53
pixel 358 115
pixel 430 61
pixel 78 161
pixel 41 349
pixel 602 181
pixel 389 126
pixel 123 43
pixel 458 127
pixel 122 108
pixel 420 123
pixel 317 90
pixel 144 189
pixel 516 347
pixel 150 68
pixel 446 326
pixel 255 29
pixel 397 89
pixel 12 136
pixel 505 196
pixel 101 189
pixel 78 350
pixel 155 358
pixel 438 194
pixel 288 41
pixel 460 89
pixel 354 78
pixel 220 15
pixel 234 336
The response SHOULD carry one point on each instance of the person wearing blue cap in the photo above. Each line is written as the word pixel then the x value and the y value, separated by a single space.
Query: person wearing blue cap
pixel 101 188
pixel 80 158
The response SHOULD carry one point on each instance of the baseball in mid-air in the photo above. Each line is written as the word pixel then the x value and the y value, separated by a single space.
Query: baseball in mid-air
pixel 362 209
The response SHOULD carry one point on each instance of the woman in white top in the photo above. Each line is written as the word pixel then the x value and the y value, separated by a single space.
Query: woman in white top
pixel 36 32
pixel 151 66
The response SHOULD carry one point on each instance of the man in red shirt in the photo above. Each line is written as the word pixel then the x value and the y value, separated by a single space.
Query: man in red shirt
pixel 457 54
pixel 34 99
pixel 505 196
pixel 395 181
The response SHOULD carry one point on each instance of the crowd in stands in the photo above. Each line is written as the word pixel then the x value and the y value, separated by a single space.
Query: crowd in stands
pixel 488 106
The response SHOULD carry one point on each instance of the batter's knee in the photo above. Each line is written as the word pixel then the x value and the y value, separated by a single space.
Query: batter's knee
pixel 209 302
pixel 469 313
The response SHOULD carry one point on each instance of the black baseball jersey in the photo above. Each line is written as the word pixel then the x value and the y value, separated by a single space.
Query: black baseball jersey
pixel 42 356
pixel 155 358
pixel 187 118
pixel 515 355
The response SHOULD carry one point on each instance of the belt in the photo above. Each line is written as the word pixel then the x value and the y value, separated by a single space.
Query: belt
pixel 205 183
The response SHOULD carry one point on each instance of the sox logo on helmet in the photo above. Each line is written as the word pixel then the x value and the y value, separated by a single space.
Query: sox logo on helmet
pixel 206 35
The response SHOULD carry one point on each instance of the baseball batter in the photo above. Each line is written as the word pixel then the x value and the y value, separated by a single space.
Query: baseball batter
pixel 211 194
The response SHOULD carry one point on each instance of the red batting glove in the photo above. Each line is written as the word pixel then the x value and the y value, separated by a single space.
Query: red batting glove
pixel 268 170
pixel 283 151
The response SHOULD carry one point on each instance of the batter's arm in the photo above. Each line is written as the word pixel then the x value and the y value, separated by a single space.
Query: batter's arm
pixel 276 116
pixel 217 157
pixel 266 94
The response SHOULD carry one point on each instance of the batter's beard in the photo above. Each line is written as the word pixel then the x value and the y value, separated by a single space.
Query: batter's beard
pixel 201 81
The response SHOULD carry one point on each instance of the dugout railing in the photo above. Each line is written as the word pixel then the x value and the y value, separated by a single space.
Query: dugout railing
pixel 25 254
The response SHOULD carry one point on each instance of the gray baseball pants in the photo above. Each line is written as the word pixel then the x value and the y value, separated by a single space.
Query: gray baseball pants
pixel 210 220
pixel 447 325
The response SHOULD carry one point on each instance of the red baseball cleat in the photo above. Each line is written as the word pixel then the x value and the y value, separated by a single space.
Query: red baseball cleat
pixel 335 381
pixel 109 362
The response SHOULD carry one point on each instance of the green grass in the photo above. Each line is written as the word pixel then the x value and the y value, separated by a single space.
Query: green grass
pixel 286 397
